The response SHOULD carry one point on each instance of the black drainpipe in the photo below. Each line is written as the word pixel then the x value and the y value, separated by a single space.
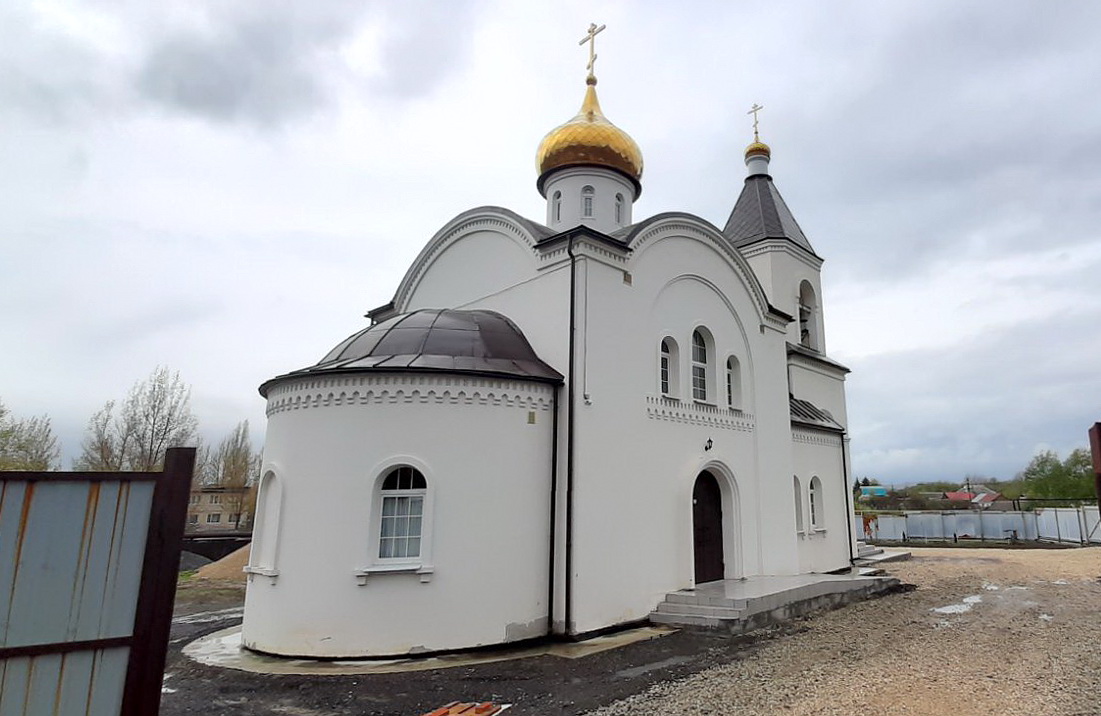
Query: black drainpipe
pixel 849 514
pixel 569 439
pixel 553 511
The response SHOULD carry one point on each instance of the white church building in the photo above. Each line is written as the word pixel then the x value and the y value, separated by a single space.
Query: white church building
pixel 554 424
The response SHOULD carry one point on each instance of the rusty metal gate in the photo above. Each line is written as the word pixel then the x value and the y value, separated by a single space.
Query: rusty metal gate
pixel 88 567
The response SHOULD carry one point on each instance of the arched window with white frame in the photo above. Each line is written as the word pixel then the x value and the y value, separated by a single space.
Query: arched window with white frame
pixel 817 516
pixel 733 383
pixel 799 527
pixel 619 209
pixel 556 206
pixel 587 196
pixel 669 368
pixel 700 350
pixel 401 514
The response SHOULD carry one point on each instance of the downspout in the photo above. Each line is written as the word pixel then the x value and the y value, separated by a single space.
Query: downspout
pixel 570 395
pixel 850 515
pixel 553 511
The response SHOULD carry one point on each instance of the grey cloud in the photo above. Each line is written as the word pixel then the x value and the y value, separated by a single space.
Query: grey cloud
pixel 262 66
pixel 271 63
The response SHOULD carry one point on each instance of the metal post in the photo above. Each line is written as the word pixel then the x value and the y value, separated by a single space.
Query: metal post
pixel 1095 451
pixel 160 570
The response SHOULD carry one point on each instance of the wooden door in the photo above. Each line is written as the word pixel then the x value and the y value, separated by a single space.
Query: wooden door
pixel 707 528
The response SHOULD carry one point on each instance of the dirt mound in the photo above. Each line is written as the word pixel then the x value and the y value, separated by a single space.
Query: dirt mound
pixel 229 568
pixel 189 561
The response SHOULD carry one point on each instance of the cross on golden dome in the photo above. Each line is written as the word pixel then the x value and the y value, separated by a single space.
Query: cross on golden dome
pixel 590 37
pixel 757 148
pixel 754 110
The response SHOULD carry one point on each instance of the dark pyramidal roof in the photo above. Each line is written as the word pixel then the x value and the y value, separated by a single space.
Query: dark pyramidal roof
pixel 435 340
pixel 760 213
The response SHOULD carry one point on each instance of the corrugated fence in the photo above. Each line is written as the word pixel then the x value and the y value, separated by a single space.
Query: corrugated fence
pixel 1074 525
pixel 83 564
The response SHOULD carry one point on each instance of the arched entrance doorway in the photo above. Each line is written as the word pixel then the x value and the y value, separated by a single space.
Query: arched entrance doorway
pixel 707 528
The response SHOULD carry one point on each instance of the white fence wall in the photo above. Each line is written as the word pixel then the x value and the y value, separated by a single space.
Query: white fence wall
pixel 1074 525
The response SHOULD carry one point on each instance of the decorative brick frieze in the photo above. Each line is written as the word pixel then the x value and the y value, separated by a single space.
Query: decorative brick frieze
pixel 408 390
pixel 811 437
pixel 691 413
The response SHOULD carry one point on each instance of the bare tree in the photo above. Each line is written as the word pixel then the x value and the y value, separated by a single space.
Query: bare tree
pixel 233 465
pixel 27 444
pixel 155 416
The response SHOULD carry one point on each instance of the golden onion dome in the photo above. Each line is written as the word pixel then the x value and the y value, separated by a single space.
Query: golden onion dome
pixel 758 149
pixel 589 139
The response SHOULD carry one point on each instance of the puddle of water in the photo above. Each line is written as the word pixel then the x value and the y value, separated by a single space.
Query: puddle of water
pixel 964 606
pixel 990 587
pixel 1060 581
pixel 1046 617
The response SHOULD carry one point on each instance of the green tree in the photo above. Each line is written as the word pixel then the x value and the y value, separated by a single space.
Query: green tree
pixel 155 416
pixel 27 444
pixel 1048 476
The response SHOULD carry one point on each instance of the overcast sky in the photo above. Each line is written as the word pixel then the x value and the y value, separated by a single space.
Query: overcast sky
pixel 226 187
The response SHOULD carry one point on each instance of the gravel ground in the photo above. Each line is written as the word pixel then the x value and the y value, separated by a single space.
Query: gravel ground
pixel 1018 632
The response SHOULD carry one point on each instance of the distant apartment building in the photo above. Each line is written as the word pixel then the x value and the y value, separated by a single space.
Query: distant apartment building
pixel 214 508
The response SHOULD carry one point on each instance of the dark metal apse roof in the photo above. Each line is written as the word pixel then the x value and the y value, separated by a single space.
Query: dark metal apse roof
pixel 436 340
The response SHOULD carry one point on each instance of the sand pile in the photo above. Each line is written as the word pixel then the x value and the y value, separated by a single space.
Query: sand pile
pixel 228 568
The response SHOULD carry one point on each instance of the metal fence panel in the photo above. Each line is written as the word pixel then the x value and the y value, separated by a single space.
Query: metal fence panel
pixel 87 576
pixel 1092 518
pixel 1064 524
pixel 76 563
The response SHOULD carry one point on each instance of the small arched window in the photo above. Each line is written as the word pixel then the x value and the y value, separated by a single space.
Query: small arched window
pixel 817 518
pixel 402 513
pixel 587 193
pixel 699 366
pixel 733 383
pixel 668 369
pixel 619 209
pixel 556 206
pixel 798 506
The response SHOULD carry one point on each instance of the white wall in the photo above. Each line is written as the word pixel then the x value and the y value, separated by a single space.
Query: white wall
pixel 782 269
pixel 638 455
pixel 827 547
pixel 488 472
pixel 477 263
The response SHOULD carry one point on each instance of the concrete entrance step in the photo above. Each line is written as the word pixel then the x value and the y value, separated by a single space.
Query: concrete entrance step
pixel 882 557
pixel 703 610
pixel 863 549
pixel 742 605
